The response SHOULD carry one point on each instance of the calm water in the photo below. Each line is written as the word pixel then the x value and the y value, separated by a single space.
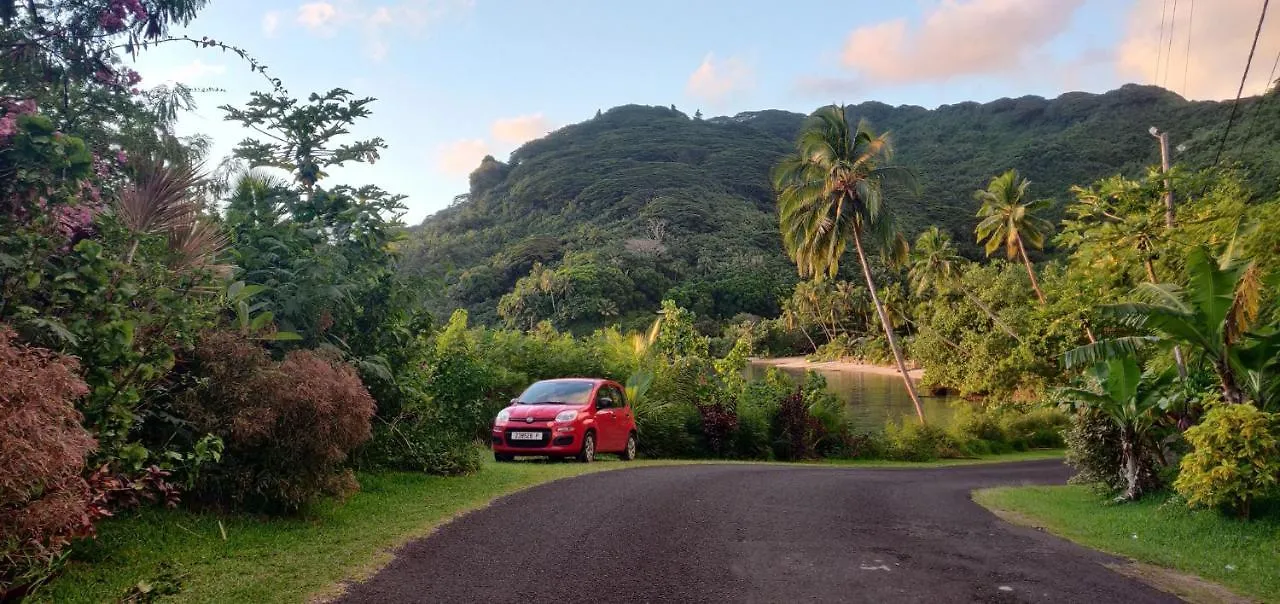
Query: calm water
pixel 872 399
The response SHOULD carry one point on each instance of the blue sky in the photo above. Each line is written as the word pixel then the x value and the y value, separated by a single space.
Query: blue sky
pixel 456 79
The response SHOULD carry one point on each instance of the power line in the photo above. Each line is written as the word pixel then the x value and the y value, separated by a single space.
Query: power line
pixel 1235 105
pixel 1257 105
pixel 1160 44
pixel 1187 65
pixel 1168 53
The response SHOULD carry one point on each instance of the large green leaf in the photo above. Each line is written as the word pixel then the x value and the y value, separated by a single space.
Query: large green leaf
pixel 1210 287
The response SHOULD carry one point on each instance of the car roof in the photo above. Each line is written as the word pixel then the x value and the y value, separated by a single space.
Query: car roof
pixel 578 379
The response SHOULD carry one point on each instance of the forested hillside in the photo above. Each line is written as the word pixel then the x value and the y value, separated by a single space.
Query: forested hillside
pixel 598 221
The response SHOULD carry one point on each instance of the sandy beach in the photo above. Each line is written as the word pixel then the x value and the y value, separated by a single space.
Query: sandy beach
pixel 803 363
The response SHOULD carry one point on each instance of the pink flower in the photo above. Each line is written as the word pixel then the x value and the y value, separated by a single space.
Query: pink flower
pixel 121 157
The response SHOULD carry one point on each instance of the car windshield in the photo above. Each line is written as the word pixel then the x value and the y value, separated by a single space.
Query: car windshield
pixel 557 393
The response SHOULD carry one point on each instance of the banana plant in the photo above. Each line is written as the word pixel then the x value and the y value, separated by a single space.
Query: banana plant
pixel 1132 402
pixel 1212 317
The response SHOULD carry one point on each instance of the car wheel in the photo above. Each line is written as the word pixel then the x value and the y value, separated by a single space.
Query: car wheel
pixel 503 457
pixel 629 453
pixel 588 453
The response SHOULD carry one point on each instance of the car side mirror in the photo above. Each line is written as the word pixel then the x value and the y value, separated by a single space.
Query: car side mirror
pixel 513 401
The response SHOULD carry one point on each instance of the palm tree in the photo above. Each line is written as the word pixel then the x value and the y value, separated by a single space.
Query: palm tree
pixel 935 265
pixel 1130 400
pixel 1009 220
pixel 830 193
pixel 1211 317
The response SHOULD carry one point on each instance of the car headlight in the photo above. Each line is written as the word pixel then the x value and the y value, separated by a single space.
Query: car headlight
pixel 503 416
pixel 566 416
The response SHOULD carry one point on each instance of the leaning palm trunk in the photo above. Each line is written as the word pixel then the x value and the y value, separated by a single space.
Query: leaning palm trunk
pixel 888 327
pixel 1035 284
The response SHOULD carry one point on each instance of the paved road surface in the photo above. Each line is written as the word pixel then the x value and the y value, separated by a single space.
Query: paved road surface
pixel 753 533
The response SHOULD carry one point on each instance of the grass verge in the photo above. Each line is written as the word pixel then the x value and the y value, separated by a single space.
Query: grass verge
pixel 1244 556
pixel 242 558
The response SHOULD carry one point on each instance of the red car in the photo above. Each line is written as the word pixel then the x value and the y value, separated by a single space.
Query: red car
pixel 571 417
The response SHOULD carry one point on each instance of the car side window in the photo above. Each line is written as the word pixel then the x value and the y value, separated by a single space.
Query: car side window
pixel 620 397
pixel 604 398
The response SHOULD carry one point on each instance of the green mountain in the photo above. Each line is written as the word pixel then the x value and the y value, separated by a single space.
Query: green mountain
pixel 639 203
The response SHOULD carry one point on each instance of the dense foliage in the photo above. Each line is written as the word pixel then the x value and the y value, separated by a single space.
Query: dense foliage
pixel 44 500
pixel 286 427
pixel 1235 459
pixel 642 203
pixel 250 337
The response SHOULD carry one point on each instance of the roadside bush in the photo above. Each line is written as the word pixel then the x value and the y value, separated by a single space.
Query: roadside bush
pixel 416 442
pixel 908 440
pixel 668 431
pixel 993 430
pixel 1235 459
pixel 1093 449
pixel 835 437
pixel 751 440
pixel 1040 428
pixel 287 428
pixel 796 430
pixel 44 502
pixel 719 425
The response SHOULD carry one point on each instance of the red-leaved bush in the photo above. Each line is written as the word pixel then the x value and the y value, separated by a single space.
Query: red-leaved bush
pixel 44 502
pixel 287 428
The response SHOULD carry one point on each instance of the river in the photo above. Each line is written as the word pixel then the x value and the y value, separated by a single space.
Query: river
pixel 872 398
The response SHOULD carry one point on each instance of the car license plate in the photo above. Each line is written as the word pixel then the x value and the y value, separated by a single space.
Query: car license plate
pixel 526 436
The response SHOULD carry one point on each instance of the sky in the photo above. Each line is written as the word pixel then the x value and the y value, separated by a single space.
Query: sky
pixel 458 79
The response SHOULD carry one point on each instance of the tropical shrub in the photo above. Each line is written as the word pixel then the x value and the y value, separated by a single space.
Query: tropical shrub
pixel 1093 449
pixel 797 431
pixel 1235 458
pixel 910 440
pixel 1040 428
pixel 44 502
pixel 418 442
pixel 287 428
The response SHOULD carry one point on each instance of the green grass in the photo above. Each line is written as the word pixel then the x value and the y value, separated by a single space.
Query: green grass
pixel 1036 455
pixel 286 560
pixel 265 559
pixel 1244 556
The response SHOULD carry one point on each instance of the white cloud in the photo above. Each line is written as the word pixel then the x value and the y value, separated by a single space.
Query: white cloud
pixel 715 82
pixel 195 72
pixel 461 156
pixel 956 38
pixel 517 130
pixel 379 23
pixel 270 22
pixel 320 17
pixel 1221 32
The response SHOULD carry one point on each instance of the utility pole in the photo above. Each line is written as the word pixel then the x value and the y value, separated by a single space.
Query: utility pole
pixel 1163 137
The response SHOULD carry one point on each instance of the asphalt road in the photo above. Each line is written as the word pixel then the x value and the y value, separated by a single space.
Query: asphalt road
pixel 753 533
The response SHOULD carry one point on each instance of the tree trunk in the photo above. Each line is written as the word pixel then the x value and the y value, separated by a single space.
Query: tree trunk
pixel 810 338
pixel 1132 464
pixel 1035 284
pixel 1230 390
pixel 994 319
pixel 888 327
